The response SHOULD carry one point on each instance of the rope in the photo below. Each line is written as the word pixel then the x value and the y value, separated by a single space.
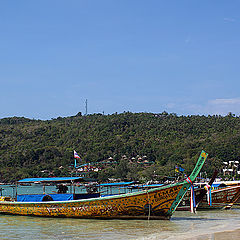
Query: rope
pixel 149 211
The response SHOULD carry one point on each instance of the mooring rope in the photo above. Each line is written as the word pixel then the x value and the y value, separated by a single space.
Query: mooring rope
pixel 149 210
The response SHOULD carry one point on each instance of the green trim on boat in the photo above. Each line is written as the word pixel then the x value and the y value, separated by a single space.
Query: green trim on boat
pixel 201 160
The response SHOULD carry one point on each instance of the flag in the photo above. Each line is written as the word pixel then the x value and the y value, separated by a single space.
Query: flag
pixel 181 169
pixel 75 154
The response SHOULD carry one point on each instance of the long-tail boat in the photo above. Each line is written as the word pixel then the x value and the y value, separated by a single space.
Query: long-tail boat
pixel 200 192
pixel 157 203
pixel 222 198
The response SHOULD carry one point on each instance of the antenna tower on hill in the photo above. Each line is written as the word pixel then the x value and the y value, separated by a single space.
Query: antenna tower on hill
pixel 86 107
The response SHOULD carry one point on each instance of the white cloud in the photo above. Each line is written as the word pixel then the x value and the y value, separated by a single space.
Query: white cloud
pixel 225 101
pixel 221 106
pixel 170 105
pixel 229 19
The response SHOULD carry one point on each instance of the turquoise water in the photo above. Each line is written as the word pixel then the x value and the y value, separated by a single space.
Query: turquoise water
pixel 183 225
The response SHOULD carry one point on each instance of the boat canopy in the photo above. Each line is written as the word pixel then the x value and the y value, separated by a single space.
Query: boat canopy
pixel 116 184
pixel 215 185
pixel 52 179
pixel 151 185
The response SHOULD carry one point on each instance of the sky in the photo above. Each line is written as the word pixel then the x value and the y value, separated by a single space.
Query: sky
pixel 176 56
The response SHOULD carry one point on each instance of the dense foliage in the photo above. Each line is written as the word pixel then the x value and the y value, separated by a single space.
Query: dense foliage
pixel 28 147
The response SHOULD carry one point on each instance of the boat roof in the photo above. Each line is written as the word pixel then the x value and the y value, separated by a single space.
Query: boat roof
pixel 51 179
pixel 215 184
pixel 219 185
pixel 116 184
pixel 152 185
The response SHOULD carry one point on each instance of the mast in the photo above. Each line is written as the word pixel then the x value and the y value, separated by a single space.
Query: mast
pixel 86 107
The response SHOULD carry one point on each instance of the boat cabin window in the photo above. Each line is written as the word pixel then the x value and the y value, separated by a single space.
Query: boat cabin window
pixel 62 188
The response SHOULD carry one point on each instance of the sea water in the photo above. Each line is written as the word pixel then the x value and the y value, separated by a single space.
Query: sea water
pixel 183 225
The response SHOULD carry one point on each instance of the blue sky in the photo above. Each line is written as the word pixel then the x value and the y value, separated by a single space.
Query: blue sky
pixel 131 55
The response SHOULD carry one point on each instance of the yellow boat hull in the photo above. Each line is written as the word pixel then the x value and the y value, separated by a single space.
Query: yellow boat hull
pixel 157 203
pixel 153 204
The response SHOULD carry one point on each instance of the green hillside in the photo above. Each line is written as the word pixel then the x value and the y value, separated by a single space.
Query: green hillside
pixel 32 148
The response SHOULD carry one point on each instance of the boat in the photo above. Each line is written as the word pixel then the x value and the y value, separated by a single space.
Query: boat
pixel 200 191
pixel 156 203
pixel 222 197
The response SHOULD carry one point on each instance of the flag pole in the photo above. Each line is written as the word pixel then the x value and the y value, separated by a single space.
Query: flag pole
pixel 75 165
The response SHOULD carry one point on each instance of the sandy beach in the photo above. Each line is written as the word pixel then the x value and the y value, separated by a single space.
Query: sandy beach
pixel 225 235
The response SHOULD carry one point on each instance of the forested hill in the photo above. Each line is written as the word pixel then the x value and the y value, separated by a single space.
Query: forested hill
pixel 28 147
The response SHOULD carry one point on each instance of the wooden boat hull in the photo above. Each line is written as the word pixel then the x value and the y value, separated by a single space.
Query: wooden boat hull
pixel 224 198
pixel 157 203
pixel 221 198
pixel 153 204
